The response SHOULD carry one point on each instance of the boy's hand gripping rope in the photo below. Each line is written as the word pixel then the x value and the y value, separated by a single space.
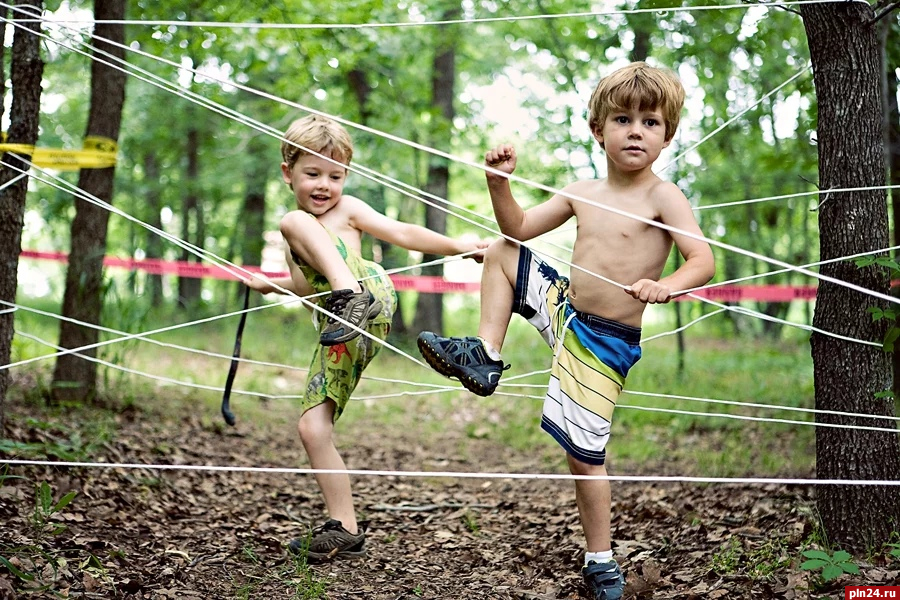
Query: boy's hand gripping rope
pixel 232 371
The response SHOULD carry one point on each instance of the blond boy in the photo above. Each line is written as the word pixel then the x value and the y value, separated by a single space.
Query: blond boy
pixel 592 324
pixel 323 250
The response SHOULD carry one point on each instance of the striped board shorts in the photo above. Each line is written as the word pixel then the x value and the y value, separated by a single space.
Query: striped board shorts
pixel 592 356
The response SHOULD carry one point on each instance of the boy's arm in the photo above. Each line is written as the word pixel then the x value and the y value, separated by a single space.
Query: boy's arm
pixel 519 224
pixel 264 285
pixel 407 235
pixel 699 264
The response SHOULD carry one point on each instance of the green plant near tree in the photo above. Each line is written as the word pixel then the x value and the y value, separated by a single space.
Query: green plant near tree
pixel 829 566
pixel 886 314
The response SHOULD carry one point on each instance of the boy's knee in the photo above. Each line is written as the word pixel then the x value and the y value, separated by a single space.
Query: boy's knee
pixel 293 222
pixel 577 467
pixel 502 251
pixel 313 431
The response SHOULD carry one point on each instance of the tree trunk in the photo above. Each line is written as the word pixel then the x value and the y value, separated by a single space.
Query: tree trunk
pixel 253 214
pixel 26 73
pixel 430 307
pixel 154 246
pixel 848 375
pixel 358 80
pixel 74 378
pixel 189 287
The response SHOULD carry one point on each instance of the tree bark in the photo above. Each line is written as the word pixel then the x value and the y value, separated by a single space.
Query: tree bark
pixel 848 375
pixel 253 213
pixel 189 287
pixel 430 307
pixel 74 378
pixel 26 72
pixel 154 242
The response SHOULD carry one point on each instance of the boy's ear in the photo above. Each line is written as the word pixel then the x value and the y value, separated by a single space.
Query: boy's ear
pixel 286 173
pixel 598 135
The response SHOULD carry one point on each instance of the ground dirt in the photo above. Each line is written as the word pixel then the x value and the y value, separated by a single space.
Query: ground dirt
pixel 144 533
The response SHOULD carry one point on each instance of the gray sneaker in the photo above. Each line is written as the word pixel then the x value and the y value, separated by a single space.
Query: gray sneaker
pixel 604 580
pixel 329 541
pixel 466 359
pixel 351 307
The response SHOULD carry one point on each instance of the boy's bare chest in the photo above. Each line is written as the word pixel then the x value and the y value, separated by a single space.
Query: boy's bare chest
pixel 338 225
pixel 618 227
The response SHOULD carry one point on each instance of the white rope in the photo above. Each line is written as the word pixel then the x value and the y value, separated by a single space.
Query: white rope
pixel 681 155
pixel 455 474
pixel 796 195
pixel 437 388
pixel 814 411
pixel 787 266
pixel 808 265
pixel 12 181
pixel 531 183
pixel 425 23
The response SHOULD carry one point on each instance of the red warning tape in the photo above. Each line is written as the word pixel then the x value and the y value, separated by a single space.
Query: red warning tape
pixel 428 284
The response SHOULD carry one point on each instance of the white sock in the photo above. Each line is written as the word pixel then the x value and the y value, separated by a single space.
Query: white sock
pixel 598 557
pixel 491 351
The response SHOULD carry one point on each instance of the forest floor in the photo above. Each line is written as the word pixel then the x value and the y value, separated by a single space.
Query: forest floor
pixel 143 533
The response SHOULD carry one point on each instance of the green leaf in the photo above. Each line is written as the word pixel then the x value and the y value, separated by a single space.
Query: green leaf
pixel 817 554
pixel 841 556
pixel 45 498
pixel 888 262
pixel 849 567
pixel 831 572
pixel 813 564
pixel 20 574
pixel 64 501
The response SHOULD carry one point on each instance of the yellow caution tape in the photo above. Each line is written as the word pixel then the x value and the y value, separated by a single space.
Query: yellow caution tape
pixel 97 153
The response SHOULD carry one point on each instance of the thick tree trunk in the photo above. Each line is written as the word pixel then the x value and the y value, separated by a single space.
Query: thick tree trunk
pixel 74 378
pixel 26 73
pixel 430 307
pixel 848 375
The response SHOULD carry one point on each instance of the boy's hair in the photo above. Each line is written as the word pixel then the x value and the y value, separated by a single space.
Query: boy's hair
pixel 318 134
pixel 650 88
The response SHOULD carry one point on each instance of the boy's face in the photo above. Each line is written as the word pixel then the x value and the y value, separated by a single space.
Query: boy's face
pixel 634 138
pixel 316 182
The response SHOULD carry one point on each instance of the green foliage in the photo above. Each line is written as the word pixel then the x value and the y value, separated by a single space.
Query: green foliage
pixel 829 566
pixel 23 561
pixel 726 561
pixel 470 520
pixel 757 563
pixel 294 576
pixel 889 315
pixel 46 507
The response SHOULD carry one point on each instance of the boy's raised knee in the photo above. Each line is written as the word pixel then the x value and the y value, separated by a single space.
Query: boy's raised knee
pixel 293 222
